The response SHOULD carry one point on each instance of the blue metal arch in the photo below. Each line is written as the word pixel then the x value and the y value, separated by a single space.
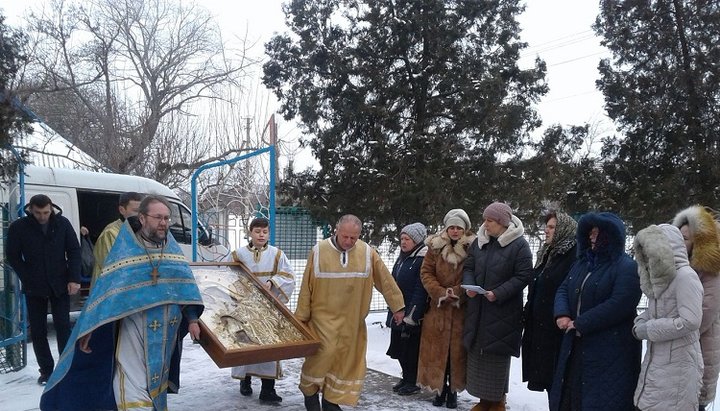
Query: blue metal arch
pixel 193 191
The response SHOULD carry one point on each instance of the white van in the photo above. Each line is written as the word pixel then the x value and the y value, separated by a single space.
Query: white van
pixel 90 199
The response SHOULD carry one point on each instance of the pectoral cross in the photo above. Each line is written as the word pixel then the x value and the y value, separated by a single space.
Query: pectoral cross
pixel 155 274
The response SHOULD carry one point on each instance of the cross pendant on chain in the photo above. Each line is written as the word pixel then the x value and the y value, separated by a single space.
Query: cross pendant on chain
pixel 154 274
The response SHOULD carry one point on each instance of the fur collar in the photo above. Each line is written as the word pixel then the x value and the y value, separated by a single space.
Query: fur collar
pixel 441 244
pixel 705 255
pixel 514 231
pixel 660 252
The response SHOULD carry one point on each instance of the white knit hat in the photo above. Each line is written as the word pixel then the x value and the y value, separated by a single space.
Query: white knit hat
pixel 457 217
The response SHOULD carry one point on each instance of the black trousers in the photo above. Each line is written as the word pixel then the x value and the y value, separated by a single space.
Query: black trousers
pixel 405 347
pixel 37 316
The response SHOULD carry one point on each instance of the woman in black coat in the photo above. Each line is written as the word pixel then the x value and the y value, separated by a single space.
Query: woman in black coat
pixel 405 338
pixel 500 262
pixel 542 338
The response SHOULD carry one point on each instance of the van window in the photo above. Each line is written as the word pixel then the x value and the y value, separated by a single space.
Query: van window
pixel 98 209
pixel 181 226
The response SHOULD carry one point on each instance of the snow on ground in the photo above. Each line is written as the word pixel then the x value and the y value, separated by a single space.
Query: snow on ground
pixel 206 387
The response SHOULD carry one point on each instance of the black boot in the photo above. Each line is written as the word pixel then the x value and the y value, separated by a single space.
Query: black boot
pixel 451 400
pixel 267 391
pixel 330 406
pixel 246 386
pixel 409 389
pixel 440 398
pixel 312 403
pixel 399 385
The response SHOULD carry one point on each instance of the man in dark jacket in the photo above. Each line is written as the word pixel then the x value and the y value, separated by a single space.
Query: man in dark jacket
pixel 44 251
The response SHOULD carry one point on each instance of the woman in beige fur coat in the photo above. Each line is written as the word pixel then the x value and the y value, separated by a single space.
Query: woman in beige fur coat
pixel 700 232
pixel 441 365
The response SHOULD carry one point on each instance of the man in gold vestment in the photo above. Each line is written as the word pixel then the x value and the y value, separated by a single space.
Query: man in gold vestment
pixel 127 206
pixel 334 301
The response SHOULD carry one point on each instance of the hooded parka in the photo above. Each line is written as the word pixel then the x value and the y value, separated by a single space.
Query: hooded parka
pixel 671 372
pixel 600 294
pixel 705 260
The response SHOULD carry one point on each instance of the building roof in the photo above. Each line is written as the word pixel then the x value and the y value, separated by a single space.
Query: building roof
pixel 47 148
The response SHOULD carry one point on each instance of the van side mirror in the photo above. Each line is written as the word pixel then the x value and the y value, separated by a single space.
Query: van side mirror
pixel 206 237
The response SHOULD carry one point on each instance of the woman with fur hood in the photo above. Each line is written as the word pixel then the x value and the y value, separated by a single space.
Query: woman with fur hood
pixel 595 306
pixel 442 356
pixel 500 262
pixel 700 232
pixel 671 373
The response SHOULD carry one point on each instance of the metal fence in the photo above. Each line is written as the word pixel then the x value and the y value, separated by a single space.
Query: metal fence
pixel 13 345
pixel 297 232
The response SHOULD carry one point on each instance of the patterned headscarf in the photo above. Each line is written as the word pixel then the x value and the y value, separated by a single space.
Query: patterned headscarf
pixel 562 241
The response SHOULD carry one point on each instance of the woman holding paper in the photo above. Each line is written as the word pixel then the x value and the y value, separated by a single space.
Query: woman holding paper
pixel 499 261
pixel 542 338
pixel 442 356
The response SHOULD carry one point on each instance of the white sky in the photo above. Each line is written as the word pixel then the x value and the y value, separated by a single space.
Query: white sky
pixel 559 31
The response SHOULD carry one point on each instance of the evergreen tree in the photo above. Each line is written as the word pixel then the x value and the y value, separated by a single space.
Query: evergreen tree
pixel 661 88
pixel 12 119
pixel 408 104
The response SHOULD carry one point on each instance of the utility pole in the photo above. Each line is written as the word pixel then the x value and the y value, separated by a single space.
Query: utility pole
pixel 248 121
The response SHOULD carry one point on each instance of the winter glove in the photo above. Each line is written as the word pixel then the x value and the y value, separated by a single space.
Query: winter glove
pixel 640 331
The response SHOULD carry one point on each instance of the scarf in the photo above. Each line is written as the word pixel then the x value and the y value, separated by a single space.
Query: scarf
pixel 563 240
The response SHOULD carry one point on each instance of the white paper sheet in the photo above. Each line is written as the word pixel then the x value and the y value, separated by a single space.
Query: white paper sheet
pixel 475 288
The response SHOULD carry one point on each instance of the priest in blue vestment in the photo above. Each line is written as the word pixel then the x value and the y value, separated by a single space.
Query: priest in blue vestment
pixel 120 353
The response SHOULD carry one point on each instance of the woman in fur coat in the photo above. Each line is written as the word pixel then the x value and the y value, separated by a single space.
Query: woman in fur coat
pixel 541 338
pixel 671 373
pixel 442 356
pixel 500 262
pixel 700 231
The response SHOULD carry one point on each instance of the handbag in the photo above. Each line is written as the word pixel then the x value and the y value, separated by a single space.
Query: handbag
pixel 87 258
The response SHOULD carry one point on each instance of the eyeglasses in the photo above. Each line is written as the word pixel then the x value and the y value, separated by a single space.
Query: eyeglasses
pixel 165 218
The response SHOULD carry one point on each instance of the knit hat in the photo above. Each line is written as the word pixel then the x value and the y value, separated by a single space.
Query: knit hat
pixel 416 231
pixel 457 217
pixel 499 212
